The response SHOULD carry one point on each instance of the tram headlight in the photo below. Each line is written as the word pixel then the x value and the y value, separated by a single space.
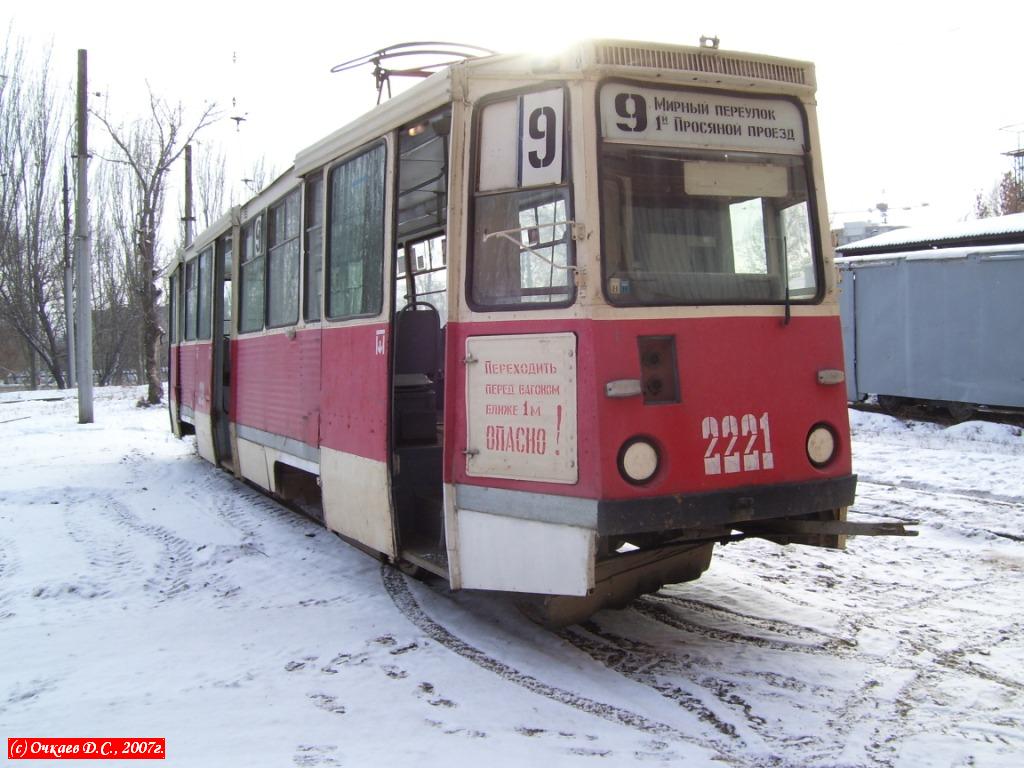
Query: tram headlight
pixel 638 460
pixel 821 445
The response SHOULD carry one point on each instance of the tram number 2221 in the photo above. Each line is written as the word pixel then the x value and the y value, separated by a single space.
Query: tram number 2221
pixel 737 445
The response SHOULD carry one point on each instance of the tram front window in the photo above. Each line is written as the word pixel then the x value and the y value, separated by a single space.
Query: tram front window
pixel 702 227
pixel 529 264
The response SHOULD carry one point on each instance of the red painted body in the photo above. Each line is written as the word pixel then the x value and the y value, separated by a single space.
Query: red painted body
pixel 277 384
pixel 329 388
pixel 354 392
pixel 727 367
pixel 174 376
pixel 195 364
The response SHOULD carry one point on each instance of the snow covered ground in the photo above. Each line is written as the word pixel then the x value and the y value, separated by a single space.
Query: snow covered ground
pixel 144 593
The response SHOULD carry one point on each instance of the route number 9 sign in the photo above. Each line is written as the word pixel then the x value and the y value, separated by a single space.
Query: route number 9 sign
pixel 522 141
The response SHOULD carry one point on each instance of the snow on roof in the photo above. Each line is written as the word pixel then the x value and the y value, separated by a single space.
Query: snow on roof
pixel 999 229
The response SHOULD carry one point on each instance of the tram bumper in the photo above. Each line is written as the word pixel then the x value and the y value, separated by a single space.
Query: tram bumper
pixel 519 541
pixel 724 508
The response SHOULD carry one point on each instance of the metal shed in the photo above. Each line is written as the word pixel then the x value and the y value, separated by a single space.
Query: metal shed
pixel 935 323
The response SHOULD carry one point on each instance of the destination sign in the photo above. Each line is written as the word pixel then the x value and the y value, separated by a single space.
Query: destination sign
pixel 700 119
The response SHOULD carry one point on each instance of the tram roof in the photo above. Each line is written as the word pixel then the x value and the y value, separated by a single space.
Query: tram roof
pixel 608 57
pixel 611 58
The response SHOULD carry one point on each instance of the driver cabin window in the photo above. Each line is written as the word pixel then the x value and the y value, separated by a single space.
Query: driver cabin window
pixel 522 216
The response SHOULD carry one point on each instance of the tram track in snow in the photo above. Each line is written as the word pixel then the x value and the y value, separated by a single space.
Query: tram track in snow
pixel 728 721
pixel 730 693
pixel 902 501
pixel 1012 502
pixel 403 598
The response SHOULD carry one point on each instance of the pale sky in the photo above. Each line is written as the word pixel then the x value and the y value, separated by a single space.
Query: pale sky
pixel 912 96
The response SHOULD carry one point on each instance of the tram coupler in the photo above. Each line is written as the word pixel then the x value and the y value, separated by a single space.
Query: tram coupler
pixel 774 529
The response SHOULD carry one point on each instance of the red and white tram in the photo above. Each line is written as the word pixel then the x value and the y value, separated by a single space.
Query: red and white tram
pixel 542 326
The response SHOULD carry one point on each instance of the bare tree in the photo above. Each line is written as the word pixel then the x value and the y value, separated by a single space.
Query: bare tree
pixel 116 348
pixel 1006 197
pixel 211 185
pixel 255 179
pixel 31 259
pixel 149 147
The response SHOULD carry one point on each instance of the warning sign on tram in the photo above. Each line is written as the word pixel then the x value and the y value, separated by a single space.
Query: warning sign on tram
pixel 521 407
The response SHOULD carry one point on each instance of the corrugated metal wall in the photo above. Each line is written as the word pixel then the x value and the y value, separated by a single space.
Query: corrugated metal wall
pixel 936 325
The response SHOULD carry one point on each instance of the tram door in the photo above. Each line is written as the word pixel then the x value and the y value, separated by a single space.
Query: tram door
pixel 221 397
pixel 173 357
pixel 418 333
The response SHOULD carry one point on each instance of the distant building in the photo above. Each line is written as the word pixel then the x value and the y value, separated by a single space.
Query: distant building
pixel 853 231
pixel 998 230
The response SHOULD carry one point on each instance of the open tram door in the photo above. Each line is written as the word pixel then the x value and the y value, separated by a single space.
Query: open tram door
pixel 220 399
pixel 418 340
pixel 175 322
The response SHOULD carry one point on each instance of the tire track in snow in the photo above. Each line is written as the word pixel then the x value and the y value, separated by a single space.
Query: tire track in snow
pixel 9 566
pixel 176 560
pixel 111 559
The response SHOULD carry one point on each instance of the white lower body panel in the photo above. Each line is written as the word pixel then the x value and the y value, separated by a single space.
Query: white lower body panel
pixel 252 463
pixel 356 499
pixel 204 436
pixel 515 555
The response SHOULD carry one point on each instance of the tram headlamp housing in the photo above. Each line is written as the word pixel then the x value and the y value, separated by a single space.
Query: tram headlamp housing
pixel 638 460
pixel 821 445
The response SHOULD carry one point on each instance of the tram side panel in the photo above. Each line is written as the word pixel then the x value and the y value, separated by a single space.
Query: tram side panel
pixel 174 388
pixel 354 435
pixel 196 376
pixel 276 401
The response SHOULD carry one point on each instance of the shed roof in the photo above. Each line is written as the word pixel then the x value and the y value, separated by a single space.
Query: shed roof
pixel 998 230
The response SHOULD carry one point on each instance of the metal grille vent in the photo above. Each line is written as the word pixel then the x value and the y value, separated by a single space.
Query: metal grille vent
pixel 686 61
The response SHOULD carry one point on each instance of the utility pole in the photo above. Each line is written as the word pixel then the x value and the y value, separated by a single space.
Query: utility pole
pixel 189 218
pixel 84 246
pixel 69 277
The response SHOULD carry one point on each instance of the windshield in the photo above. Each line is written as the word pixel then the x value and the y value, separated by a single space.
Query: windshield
pixel 705 198
pixel 705 227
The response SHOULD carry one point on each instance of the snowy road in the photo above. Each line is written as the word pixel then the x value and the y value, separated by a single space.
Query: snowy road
pixel 143 593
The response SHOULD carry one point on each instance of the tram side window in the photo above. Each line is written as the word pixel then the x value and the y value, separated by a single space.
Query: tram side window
pixel 191 298
pixel 172 308
pixel 205 284
pixel 314 246
pixel 429 261
pixel 179 296
pixel 355 245
pixel 283 262
pixel 522 213
pixel 253 277
pixel 224 252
